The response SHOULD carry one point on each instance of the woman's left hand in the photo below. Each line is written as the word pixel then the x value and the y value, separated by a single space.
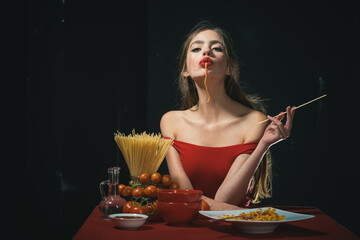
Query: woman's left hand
pixel 277 131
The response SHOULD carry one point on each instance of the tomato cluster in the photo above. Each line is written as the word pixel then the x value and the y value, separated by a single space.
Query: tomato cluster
pixel 147 186
pixel 143 193
pixel 148 208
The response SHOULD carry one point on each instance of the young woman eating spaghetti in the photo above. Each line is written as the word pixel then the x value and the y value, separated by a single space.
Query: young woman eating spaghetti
pixel 218 146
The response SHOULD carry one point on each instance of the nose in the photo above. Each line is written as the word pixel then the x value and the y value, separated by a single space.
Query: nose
pixel 206 52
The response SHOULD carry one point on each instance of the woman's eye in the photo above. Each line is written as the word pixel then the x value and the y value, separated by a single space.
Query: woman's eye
pixel 218 49
pixel 196 49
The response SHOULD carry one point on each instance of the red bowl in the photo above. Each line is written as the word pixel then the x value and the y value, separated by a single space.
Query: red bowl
pixel 178 213
pixel 179 195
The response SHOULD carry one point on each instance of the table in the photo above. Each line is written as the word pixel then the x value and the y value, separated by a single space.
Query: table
pixel 319 227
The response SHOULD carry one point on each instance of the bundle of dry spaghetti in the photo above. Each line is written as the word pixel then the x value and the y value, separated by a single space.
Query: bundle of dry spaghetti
pixel 143 152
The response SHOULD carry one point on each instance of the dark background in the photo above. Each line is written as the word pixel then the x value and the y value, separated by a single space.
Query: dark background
pixel 95 67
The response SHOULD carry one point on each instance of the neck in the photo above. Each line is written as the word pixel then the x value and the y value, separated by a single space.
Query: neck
pixel 218 104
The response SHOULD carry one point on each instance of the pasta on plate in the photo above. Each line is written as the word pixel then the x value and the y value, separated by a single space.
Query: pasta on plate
pixel 258 215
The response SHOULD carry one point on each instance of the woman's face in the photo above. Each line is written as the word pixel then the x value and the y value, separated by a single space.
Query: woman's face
pixel 206 46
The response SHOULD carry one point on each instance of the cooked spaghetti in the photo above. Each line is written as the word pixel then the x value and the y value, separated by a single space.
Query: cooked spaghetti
pixel 207 91
pixel 267 215
pixel 143 153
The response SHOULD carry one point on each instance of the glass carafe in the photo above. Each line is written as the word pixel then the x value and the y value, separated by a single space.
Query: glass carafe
pixel 112 202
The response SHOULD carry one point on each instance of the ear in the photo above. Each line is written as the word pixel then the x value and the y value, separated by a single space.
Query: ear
pixel 186 74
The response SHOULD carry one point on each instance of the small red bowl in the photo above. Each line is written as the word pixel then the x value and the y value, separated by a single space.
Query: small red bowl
pixel 179 213
pixel 179 195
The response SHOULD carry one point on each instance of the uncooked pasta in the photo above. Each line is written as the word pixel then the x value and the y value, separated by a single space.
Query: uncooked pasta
pixel 143 153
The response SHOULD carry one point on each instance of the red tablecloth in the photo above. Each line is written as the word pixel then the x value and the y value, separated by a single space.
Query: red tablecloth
pixel 319 227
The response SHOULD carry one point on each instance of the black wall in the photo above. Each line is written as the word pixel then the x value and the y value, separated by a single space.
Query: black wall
pixel 86 80
pixel 95 68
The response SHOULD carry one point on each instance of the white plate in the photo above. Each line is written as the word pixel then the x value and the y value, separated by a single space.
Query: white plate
pixel 256 226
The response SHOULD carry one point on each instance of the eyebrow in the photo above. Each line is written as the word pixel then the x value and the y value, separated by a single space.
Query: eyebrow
pixel 212 42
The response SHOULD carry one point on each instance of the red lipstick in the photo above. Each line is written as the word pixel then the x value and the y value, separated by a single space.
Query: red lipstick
pixel 206 60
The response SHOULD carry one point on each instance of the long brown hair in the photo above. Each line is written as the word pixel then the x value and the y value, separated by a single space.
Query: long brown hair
pixel 261 184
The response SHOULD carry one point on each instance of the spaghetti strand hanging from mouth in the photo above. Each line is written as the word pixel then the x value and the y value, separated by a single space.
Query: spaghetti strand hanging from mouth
pixel 207 91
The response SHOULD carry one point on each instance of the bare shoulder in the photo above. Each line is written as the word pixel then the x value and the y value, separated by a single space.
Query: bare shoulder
pixel 255 130
pixel 171 116
pixel 169 122
pixel 256 116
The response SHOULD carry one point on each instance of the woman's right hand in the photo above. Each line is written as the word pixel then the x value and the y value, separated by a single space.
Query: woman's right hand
pixel 277 131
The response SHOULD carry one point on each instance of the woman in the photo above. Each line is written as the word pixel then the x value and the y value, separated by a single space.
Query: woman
pixel 219 147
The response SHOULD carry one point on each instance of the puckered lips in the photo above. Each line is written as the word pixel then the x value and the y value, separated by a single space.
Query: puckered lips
pixel 206 60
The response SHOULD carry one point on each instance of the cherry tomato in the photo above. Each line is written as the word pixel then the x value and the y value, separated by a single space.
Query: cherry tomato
pixel 204 205
pixel 121 187
pixel 174 185
pixel 149 209
pixel 155 206
pixel 150 191
pixel 126 192
pixel 138 192
pixel 127 207
pixel 155 177
pixel 154 216
pixel 144 178
pixel 137 209
pixel 166 180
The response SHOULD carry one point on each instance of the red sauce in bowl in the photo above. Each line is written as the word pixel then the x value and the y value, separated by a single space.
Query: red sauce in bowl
pixel 128 217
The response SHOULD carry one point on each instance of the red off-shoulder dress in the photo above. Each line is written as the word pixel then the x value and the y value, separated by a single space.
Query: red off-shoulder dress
pixel 207 167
